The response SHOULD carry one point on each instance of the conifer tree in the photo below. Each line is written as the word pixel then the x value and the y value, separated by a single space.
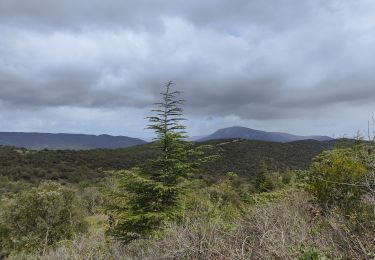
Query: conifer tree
pixel 153 191
pixel 263 181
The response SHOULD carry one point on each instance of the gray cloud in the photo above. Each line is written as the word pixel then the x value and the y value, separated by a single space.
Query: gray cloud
pixel 255 61
pixel 138 14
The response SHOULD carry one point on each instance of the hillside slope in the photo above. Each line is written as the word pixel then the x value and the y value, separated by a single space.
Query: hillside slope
pixel 240 156
pixel 39 141
pixel 244 156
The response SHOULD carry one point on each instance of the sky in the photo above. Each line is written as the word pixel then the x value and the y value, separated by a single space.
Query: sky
pixel 96 67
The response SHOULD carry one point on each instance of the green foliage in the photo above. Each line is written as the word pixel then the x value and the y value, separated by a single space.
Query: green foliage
pixel 267 197
pixel 218 204
pixel 243 156
pixel 263 180
pixel 154 189
pixel 335 179
pixel 287 177
pixel 69 166
pixel 9 186
pixel 40 217
pixel 312 254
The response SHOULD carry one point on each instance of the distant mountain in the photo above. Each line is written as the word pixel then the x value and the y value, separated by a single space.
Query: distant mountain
pixel 252 134
pixel 39 141
pixel 195 138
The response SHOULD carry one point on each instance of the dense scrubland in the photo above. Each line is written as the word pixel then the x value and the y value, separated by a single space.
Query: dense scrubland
pixel 78 167
pixel 223 199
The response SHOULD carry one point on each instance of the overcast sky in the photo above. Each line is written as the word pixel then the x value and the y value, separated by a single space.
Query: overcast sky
pixel 94 66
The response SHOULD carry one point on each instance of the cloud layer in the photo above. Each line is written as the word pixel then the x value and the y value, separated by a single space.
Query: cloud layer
pixel 298 66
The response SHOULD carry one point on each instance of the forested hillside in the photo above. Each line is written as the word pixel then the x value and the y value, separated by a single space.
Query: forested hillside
pixel 244 156
pixel 240 156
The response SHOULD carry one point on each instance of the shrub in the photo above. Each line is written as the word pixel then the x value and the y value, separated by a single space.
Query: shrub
pixel 284 228
pixel 335 179
pixel 312 254
pixel 38 218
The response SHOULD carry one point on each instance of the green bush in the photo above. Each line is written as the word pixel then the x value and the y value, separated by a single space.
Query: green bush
pixel 40 217
pixel 335 179
pixel 312 254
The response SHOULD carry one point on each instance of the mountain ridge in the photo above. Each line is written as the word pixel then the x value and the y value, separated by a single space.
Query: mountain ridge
pixel 66 141
pixel 69 141
pixel 253 134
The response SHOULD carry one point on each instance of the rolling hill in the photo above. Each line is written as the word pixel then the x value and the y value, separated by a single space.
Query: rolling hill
pixel 39 141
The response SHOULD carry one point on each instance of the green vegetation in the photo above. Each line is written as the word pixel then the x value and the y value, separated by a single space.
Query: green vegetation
pixel 335 179
pixel 229 219
pixel 39 217
pixel 167 200
pixel 263 180
pixel 68 166
pixel 87 166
